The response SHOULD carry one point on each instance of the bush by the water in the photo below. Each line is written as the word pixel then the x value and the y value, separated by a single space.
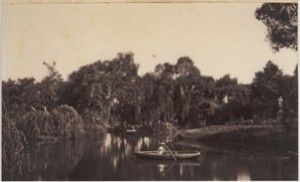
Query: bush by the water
pixel 93 126
pixel 62 123
pixel 19 129
pixel 68 122
pixel 165 132
pixel 15 159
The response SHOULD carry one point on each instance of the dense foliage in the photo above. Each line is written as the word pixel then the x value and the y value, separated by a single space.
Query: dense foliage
pixel 111 93
pixel 282 22
pixel 14 155
pixel 62 123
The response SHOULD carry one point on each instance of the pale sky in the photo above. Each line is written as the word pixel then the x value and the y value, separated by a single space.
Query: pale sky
pixel 221 38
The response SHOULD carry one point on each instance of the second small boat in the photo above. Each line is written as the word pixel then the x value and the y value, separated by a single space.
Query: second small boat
pixel 167 156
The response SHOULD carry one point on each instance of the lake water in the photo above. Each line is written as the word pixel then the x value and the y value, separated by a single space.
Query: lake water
pixel 111 158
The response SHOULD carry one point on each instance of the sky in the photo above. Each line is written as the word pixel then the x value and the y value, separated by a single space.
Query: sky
pixel 221 38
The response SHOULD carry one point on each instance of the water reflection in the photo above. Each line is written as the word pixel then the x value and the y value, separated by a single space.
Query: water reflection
pixel 107 141
pixel 215 178
pixel 111 159
pixel 161 168
pixel 243 176
pixel 48 159
pixel 146 140
pixel 115 163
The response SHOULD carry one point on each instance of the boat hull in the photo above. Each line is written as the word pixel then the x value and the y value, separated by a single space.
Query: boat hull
pixel 167 156
pixel 131 130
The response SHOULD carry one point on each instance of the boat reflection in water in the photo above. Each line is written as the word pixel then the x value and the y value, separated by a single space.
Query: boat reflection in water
pixel 243 176
pixel 112 159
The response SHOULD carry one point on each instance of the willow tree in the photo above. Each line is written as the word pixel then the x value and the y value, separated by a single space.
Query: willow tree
pixel 158 89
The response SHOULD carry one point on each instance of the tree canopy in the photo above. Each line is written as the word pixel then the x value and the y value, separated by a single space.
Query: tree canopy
pixel 112 93
pixel 282 22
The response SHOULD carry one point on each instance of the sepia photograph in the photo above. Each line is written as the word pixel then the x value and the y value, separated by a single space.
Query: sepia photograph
pixel 150 90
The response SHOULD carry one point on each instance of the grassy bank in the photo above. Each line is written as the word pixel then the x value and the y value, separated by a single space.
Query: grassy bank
pixel 259 138
pixel 217 130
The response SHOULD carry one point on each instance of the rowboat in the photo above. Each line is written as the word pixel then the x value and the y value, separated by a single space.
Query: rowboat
pixel 167 155
pixel 182 162
pixel 120 130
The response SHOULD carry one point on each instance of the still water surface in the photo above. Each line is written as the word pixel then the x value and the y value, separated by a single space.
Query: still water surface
pixel 112 159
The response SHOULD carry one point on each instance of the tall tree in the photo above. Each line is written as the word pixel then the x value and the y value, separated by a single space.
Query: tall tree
pixel 225 87
pixel 106 87
pixel 266 89
pixel 50 88
pixel 188 77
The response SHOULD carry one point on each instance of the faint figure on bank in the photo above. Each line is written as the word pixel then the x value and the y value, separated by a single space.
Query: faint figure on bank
pixel 282 116
pixel 280 109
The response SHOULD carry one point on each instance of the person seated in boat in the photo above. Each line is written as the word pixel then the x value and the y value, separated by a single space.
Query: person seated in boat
pixel 161 150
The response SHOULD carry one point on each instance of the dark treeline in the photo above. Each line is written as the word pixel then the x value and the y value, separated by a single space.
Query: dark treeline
pixel 112 93
pixel 109 94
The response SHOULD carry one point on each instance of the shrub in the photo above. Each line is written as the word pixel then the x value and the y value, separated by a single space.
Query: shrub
pixel 232 111
pixel 67 123
pixel 62 123
pixel 165 132
pixel 32 123
pixel 15 159
pixel 93 126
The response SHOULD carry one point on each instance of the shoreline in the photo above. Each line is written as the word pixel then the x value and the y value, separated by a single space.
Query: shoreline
pixel 214 130
pixel 240 138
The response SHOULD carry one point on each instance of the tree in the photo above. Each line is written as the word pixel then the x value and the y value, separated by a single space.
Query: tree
pixel 158 90
pixel 106 87
pixel 185 66
pixel 281 20
pixel 294 92
pixel 19 94
pixel 187 84
pixel 289 92
pixel 51 87
pixel 225 86
pixel 26 94
pixel 266 90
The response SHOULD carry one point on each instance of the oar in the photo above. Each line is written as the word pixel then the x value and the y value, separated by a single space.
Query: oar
pixel 170 151
pixel 171 166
